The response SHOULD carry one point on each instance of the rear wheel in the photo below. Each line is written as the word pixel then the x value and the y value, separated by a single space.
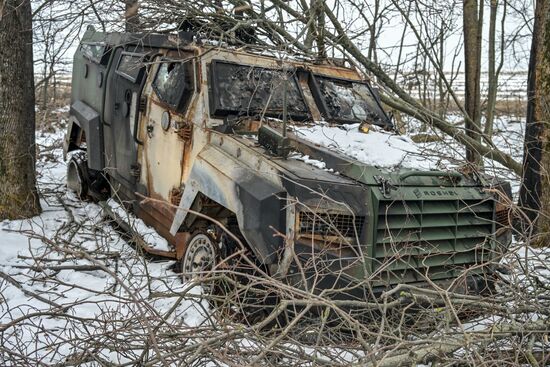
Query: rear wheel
pixel 77 175
pixel 84 182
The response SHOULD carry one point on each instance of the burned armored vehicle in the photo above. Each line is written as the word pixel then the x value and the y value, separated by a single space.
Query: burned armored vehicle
pixel 185 133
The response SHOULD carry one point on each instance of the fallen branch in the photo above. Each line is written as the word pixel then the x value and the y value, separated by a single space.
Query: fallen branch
pixel 39 268
pixel 18 285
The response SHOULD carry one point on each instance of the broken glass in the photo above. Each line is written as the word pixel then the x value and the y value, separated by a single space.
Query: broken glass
pixel 93 51
pixel 248 90
pixel 173 82
pixel 348 101
pixel 130 66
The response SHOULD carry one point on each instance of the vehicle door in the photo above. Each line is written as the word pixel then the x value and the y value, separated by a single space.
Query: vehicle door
pixel 122 105
pixel 168 127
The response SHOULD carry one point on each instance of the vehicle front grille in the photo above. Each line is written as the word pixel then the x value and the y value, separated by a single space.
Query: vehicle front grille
pixel 325 225
pixel 428 239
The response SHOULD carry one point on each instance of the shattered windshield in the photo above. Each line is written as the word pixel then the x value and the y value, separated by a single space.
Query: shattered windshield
pixel 249 90
pixel 347 101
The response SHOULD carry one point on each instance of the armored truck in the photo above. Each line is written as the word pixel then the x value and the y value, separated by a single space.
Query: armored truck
pixel 191 135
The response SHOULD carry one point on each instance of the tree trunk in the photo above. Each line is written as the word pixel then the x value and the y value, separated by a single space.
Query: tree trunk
pixel 311 31
pixel 401 44
pixel 493 79
pixel 535 188
pixel 18 194
pixel 131 16
pixel 473 25
pixel 321 49
pixel 372 54
pixel 441 90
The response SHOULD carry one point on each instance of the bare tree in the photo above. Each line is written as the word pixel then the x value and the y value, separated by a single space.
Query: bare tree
pixel 535 189
pixel 473 26
pixel 494 70
pixel 18 195
pixel 131 15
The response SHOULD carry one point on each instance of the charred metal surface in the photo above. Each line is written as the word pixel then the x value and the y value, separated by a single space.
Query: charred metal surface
pixel 240 190
pixel 136 237
pixel 185 132
pixel 175 196
pixel 203 125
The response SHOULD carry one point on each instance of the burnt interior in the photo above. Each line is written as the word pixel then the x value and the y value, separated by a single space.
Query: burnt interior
pixel 247 90
pixel 347 101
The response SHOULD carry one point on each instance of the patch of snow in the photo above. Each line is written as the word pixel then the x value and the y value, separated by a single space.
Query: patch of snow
pixel 63 109
pixel 313 162
pixel 376 148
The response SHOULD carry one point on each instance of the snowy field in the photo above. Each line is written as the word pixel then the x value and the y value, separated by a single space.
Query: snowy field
pixel 74 292
pixel 512 85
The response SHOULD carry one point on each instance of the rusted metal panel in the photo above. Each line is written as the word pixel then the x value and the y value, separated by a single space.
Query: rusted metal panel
pixel 181 243
pixel 137 239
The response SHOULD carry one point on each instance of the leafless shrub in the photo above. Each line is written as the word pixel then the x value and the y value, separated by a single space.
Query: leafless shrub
pixel 93 299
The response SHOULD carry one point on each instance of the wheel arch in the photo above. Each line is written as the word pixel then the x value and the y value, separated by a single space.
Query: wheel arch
pixel 257 203
pixel 84 120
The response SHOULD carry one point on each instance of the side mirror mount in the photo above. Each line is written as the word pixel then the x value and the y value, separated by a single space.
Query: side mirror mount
pixel 272 140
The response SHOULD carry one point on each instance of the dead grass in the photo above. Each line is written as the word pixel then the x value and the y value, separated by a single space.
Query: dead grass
pixel 503 107
pixel 53 114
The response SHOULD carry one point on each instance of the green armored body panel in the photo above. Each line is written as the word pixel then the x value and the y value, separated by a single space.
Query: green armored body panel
pixel 183 133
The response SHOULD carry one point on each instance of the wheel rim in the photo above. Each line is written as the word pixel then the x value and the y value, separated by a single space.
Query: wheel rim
pixel 200 256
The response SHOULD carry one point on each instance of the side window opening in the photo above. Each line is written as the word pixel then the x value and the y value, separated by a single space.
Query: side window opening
pixel 174 83
pixel 131 66
pixel 97 52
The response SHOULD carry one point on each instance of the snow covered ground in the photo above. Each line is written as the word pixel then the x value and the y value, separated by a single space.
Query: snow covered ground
pixel 148 234
pixel 67 278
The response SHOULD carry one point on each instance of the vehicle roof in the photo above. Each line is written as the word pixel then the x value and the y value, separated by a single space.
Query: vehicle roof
pixel 254 54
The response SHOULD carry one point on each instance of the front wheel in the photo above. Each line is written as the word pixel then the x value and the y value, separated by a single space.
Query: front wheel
pixel 200 256
pixel 232 286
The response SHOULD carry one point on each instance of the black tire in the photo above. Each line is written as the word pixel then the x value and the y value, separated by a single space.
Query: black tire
pixel 77 175
pixel 253 298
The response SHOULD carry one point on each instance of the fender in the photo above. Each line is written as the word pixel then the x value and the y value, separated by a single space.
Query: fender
pixel 227 181
pixel 87 119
